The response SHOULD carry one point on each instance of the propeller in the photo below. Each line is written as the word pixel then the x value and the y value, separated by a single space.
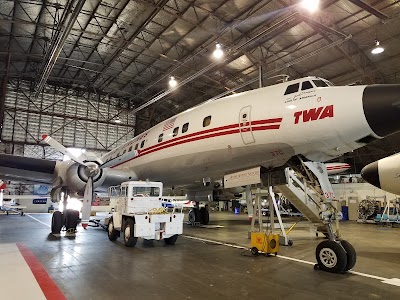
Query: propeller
pixel 87 202
pixel 91 170
pixel 56 145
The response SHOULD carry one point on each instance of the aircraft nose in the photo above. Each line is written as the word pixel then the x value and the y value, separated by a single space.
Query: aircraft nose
pixel 370 174
pixel 382 108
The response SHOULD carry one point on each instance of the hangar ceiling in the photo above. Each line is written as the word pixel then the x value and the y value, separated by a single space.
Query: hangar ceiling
pixel 127 50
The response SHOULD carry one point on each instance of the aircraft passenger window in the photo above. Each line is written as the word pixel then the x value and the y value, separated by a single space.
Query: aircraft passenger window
pixel 207 121
pixel 142 144
pixel 293 88
pixel 320 83
pixel 185 127
pixel 124 152
pixel 130 149
pixel 160 137
pixel 136 146
pixel 176 131
pixel 306 85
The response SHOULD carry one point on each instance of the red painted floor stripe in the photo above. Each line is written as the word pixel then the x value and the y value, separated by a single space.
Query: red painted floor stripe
pixel 48 286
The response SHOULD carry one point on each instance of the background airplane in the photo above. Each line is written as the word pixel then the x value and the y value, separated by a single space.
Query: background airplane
pixel 384 174
pixel 336 168
pixel 177 202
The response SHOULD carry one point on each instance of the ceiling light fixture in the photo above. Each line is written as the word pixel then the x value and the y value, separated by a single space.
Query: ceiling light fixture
pixel 310 5
pixel 218 53
pixel 172 82
pixel 378 49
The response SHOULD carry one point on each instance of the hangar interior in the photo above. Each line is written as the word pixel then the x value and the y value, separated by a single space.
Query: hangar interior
pixel 93 74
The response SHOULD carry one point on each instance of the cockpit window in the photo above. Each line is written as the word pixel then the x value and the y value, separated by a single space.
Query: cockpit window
pixel 293 88
pixel 328 83
pixel 320 83
pixel 306 85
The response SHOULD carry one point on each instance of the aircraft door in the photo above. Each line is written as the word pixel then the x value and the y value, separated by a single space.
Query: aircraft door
pixel 245 125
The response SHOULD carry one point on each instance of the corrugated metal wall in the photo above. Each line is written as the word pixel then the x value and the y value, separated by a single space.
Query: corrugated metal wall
pixel 75 119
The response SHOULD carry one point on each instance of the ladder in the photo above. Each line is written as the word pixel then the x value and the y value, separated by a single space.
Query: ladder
pixel 310 191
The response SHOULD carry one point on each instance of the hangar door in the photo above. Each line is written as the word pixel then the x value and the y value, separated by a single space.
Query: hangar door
pixel 245 125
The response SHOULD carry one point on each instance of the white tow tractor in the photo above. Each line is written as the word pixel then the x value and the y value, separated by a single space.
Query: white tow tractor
pixel 139 213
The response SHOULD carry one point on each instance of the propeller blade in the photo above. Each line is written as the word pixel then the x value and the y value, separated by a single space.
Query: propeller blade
pixel 56 145
pixel 87 203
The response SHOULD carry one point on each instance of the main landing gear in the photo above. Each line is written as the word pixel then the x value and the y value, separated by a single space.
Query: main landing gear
pixel 69 219
pixel 199 216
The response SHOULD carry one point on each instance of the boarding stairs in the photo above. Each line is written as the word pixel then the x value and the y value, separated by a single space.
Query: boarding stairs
pixel 308 189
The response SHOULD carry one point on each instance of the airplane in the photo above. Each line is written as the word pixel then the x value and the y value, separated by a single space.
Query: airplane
pixel 265 127
pixel 384 174
pixel 177 202
pixel 8 203
pixel 336 168
pixel 9 206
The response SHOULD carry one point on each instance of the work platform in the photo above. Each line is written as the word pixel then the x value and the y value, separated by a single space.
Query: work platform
pixel 89 266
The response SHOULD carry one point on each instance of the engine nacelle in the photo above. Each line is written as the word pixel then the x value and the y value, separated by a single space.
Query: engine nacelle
pixel 77 177
pixel 73 177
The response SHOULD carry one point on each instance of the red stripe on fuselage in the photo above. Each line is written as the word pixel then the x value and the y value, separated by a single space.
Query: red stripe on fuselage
pixel 196 136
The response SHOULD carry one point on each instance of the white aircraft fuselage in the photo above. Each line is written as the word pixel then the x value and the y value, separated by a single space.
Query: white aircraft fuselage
pixel 262 127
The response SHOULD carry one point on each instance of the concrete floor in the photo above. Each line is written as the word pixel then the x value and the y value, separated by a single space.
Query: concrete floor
pixel 89 266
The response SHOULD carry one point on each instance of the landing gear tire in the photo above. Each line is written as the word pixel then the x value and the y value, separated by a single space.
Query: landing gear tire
pixel 171 240
pixel 194 216
pixel 351 255
pixel 331 257
pixel 112 233
pixel 57 222
pixel 129 239
pixel 254 251
pixel 71 220
pixel 205 216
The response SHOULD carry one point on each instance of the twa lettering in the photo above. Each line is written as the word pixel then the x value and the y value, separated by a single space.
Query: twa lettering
pixel 314 114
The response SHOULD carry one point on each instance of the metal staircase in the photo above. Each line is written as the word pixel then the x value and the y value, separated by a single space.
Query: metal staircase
pixel 309 190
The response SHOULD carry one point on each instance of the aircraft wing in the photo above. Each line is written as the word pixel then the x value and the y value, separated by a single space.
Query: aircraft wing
pixel 26 169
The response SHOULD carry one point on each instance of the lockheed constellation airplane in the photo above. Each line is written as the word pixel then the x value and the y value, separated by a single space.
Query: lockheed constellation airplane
pixel 263 128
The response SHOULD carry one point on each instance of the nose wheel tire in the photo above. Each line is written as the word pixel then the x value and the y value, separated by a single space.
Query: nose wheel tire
pixel 129 239
pixel 351 255
pixel 331 257
pixel 112 233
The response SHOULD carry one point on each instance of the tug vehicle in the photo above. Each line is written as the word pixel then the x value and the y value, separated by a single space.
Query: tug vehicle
pixel 139 214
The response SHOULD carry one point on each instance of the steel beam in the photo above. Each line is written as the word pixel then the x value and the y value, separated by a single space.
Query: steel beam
pixel 370 9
